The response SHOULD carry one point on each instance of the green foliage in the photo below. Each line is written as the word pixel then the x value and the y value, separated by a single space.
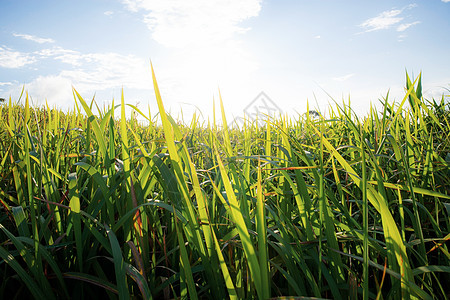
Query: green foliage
pixel 343 207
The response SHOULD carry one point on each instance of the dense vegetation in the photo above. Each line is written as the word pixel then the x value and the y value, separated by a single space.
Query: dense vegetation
pixel 338 207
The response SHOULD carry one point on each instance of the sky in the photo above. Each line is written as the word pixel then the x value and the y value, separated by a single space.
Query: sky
pixel 276 55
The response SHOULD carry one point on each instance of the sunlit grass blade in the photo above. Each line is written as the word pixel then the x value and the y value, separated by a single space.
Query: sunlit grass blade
pixel 225 130
pixel 95 126
pixel 261 229
pixel 21 220
pixel 226 274
pixel 238 219
pixel 395 244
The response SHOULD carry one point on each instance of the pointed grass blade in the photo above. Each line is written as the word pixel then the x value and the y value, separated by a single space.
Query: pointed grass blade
pixel 396 247
pixel 238 219
pixel 261 229
pixel 119 265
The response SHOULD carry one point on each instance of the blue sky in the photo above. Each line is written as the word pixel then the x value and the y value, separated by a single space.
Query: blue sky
pixel 294 51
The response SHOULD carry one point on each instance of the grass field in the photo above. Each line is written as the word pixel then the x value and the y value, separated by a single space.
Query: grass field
pixel 341 207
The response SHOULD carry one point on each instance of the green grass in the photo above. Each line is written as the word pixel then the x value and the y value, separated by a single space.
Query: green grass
pixel 92 205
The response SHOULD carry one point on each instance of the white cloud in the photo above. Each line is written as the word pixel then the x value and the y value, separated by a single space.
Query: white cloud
pixel 87 72
pixel 344 78
pixel 34 38
pixel 178 23
pixel 403 27
pixel 401 37
pixel 100 70
pixel 108 13
pixel 5 83
pixel 388 19
pixel 383 21
pixel 90 73
pixel 14 59
pixel 64 55
pixel 446 1
pixel 56 90
pixel 317 37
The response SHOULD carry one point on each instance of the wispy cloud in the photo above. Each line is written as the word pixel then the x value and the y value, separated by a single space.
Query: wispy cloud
pixel 101 71
pixel 67 56
pixel 14 59
pixel 108 13
pixel 90 70
pixel 93 72
pixel 344 78
pixel 87 72
pixel 383 21
pixel 4 84
pixel 178 23
pixel 34 38
pixel 401 37
pixel 98 71
pixel 446 1
pixel 388 19
pixel 403 27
